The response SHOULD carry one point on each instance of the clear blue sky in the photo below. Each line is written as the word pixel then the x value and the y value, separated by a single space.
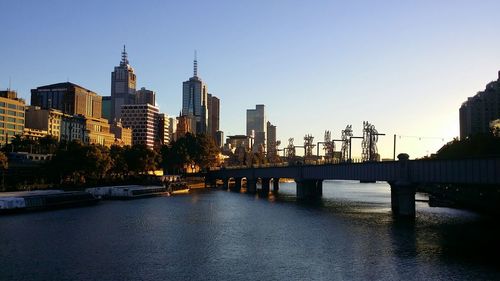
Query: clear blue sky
pixel 405 66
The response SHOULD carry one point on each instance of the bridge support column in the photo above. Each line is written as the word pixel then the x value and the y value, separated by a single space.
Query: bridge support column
pixel 403 200
pixel 309 189
pixel 210 182
pixel 237 184
pixel 225 184
pixel 266 182
pixel 403 191
pixel 276 184
pixel 319 188
pixel 251 186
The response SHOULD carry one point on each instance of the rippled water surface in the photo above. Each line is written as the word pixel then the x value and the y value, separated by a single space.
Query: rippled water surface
pixel 219 235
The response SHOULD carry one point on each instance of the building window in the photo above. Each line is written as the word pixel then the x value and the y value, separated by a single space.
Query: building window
pixel 13 106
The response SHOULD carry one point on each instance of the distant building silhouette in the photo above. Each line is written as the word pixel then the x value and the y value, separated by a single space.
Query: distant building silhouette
pixel 478 111
pixel 123 85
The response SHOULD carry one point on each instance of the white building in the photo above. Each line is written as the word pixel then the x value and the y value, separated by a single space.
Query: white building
pixel 143 120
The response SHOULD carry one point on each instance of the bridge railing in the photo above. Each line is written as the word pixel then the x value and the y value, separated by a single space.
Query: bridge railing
pixel 464 171
pixel 316 162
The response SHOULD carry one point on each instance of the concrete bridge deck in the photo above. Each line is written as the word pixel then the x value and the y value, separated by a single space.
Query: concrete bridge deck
pixel 403 176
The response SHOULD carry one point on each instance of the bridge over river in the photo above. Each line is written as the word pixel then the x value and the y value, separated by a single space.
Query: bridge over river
pixel 403 176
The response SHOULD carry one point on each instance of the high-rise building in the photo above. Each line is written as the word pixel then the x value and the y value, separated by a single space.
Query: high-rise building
pixel 11 116
pixel 194 100
pixel 143 120
pixel 69 98
pixel 172 128
pixel 143 96
pixel 123 83
pixel 256 127
pixel 219 139
pixel 213 106
pixel 163 129
pixel 271 139
pixel 478 111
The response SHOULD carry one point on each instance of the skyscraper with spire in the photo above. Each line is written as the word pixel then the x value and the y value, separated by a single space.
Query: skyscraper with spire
pixel 123 85
pixel 194 100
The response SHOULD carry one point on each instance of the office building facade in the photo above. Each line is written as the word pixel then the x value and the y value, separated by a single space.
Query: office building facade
pixel 12 116
pixel 143 120
pixel 69 98
pixel 256 127
pixel 49 120
pixel 194 100
pixel 213 106
pixel 163 129
pixel 144 95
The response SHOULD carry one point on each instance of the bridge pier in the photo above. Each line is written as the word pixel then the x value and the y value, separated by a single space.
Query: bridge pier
pixel 403 200
pixel 403 191
pixel 225 184
pixel 309 189
pixel 276 184
pixel 266 183
pixel 251 186
pixel 237 184
pixel 210 182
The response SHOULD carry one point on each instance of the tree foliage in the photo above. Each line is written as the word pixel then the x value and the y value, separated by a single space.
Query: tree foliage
pixel 191 149
pixel 482 145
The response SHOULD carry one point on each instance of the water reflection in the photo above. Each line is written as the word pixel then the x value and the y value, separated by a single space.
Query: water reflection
pixel 222 235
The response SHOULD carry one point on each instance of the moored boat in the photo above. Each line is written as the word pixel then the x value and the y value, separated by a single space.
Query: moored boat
pixel 175 188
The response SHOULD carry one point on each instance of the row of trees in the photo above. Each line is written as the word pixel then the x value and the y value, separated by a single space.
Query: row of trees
pixel 77 163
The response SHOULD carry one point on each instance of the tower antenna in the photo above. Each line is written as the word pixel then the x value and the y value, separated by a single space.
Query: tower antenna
pixel 195 65
pixel 124 56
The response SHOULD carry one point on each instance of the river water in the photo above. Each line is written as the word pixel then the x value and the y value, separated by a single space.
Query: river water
pixel 220 235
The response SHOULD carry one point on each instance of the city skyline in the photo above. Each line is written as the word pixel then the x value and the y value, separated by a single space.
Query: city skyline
pixel 418 64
